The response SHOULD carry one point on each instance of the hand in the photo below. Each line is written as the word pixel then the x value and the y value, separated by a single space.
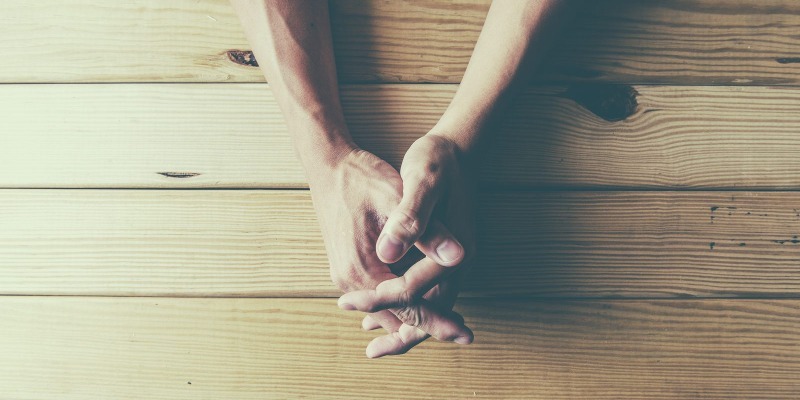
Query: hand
pixel 436 187
pixel 353 198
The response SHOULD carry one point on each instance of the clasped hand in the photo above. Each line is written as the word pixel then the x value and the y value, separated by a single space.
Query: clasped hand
pixel 398 243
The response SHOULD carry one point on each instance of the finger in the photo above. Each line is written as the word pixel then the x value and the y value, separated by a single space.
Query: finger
pixel 387 320
pixel 442 324
pixel 440 245
pixel 392 344
pixel 402 291
pixel 442 297
pixel 363 279
pixel 445 294
pixel 408 221
pixel 369 323
pixel 410 334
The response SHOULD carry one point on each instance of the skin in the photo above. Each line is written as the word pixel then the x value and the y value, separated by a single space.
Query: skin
pixel 398 242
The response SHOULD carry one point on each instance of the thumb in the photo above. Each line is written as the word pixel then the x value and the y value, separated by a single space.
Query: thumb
pixel 409 220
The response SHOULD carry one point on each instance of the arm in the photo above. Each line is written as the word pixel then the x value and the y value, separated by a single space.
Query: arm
pixel 353 191
pixel 514 38
pixel 437 171
pixel 292 42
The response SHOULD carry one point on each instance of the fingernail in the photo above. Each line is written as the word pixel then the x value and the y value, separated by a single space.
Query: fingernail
pixel 390 248
pixel 448 251
pixel 346 306
pixel 463 340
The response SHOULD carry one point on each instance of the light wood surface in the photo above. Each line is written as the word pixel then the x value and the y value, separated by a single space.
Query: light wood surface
pixel 233 136
pixel 267 243
pixel 100 348
pixel 636 241
pixel 736 42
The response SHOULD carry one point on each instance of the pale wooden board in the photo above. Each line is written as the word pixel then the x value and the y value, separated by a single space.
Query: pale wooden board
pixel 115 41
pixel 233 136
pixel 267 243
pixel 100 348
pixel 686 41
pixel 126 135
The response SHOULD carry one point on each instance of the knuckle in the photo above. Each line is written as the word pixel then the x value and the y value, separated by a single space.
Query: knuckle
pixel 398 290
pixel 432 168
pixel 408 222
pixel 410 315
pixel 423 173
pixel 405 296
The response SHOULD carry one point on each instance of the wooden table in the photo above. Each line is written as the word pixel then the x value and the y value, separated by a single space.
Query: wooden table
pixel 639 236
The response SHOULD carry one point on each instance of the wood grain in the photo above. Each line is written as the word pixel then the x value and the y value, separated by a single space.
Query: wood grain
pixel 233 136
pixel 87 348
pixel 267 243
pixel 737 42
pixel 577 292
pixel 721 42
pixel 144 136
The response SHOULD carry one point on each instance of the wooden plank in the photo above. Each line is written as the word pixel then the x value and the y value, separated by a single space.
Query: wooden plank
pixel 682 42
pixel 739 42
pixel 267 243
pixel 130 41
pixel 87 348
pixel 195 135
pixel 144 136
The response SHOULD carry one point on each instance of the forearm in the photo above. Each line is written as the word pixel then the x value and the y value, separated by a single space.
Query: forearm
pixel 292 41
pixel 514 37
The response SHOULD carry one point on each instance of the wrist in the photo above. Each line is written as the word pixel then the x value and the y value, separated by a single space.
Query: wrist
pixel 463 136
pixel 321 149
